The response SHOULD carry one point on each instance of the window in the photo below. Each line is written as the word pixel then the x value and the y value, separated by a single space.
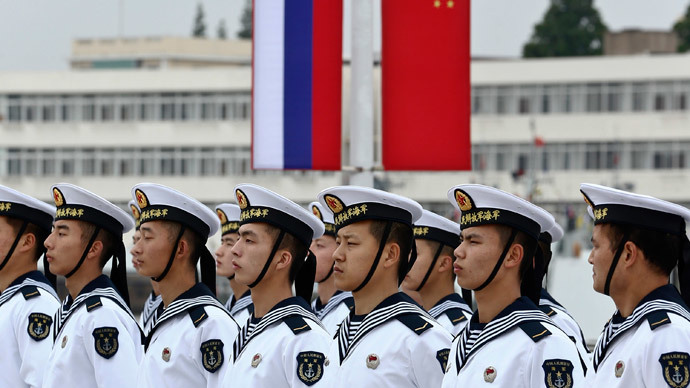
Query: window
pixel 594 98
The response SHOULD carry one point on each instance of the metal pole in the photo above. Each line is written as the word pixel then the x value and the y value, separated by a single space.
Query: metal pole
pixel 362 94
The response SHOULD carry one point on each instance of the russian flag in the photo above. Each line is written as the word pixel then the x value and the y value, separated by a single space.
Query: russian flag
pixel 296 84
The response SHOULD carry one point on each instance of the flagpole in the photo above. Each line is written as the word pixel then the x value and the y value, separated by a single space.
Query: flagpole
pixel 362 94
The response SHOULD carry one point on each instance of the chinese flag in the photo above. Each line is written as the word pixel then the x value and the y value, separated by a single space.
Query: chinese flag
pixel 425 65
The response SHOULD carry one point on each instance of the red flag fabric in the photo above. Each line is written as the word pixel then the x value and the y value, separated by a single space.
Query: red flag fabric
pixel 425 66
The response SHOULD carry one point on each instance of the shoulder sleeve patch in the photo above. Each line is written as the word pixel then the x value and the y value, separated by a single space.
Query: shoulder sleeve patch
pixel 548 310
pixel 297 324
pixel 39 326
pixel 105 341
pixel 30 292
pixel 535 330
pixel 455 315
pixel 558 373
pixel 93 303
pixel 442 357
pixel 198 315
pixel 675 369
pixel 415 323
pixel 212 356
pixel 310 367
pixel 658 319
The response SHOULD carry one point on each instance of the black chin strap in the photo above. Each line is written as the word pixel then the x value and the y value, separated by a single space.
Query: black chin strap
pixel 14 244
pixel 500 261
pixel 330 272
pixel 172 255
pixel 231 277
pixel 431 267
pixel 270 259
pixel 118 273
pixel 86 252
pixel 382 245
pixel 614 263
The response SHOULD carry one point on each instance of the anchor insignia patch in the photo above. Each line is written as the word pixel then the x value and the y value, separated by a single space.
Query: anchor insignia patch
pixel 675 369
pixel 442 357
pixel 212 355
pixel 558 373
pixel 310 367
pixel 105 341
pixel 39 326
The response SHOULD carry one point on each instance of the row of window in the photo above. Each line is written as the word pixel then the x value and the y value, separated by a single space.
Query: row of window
pixel 126 107
pixel 581 156
pixel 578 98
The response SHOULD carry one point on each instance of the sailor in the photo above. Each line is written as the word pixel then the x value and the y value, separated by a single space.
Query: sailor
pixel 283 344
pixel 153 306
pixel 27 298
pixel 97 340
pixel 432 274
pixel 240 302
pixel 189 344
pixel 331 305
pixel 509 342
pixel 387 340
pixel 559 314
pixel 637 242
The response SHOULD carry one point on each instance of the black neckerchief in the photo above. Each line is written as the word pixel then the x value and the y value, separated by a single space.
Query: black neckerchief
pixel 663 299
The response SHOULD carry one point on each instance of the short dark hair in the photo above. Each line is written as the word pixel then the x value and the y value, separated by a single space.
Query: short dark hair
pixel 39 233
pixel 529 245
pixel 193 239
pixel 298 250
pixel 661 249
pixel 400 234
pixel 105 237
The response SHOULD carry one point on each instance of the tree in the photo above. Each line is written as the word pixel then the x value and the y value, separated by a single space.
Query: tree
pixel 199 29
pixel 569 28
pixel 682 29
pixel 245 31
pixel 222 33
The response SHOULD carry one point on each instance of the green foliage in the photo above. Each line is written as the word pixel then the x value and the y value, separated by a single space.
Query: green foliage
pixel 569 28
pixel 245 31
pixel 682 29
pixel 199 29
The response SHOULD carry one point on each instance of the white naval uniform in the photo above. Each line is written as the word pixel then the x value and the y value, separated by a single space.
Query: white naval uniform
pixel 190 345
pixel 240 309
pixel 650 348
pixel 520 348
pixel 27 307
pixel 396 345
pixel 153 308
pixel 452 313
pixel 97 340
pixel 284 348
pixel 334 312
pixel 560 316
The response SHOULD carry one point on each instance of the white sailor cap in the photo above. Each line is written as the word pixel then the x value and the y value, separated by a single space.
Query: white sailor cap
pixel 485 205
pixel 18 205
pixel 325 216
pixel 76 203
pixel 136 213
pixel 351 204
pixel 609 205
pixel 259 204
pixel 433 227
pixel 229 216
pixel 554 233
pixel 162 203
